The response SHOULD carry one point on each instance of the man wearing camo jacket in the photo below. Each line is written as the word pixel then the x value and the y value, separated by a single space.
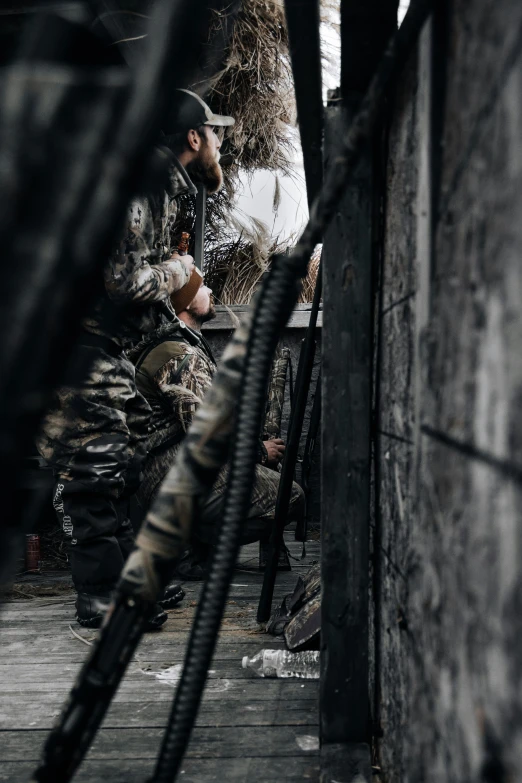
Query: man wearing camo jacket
pixel 95 434
pixel 175 368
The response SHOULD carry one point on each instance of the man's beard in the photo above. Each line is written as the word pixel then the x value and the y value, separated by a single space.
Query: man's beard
pixel 209 315
pixel 198 320
pixel 208 172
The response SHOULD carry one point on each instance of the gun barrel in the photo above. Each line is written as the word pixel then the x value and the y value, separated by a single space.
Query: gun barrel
pixel 94 690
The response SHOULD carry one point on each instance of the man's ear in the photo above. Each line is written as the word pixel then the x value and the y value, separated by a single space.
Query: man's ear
pixel 194 140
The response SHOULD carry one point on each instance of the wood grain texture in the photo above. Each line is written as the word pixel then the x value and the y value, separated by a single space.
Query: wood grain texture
pixel 139 743
pixel 247 769
pixel 399 273
pixel 346 763
pixel 395 422
pixel 450 575
pixel 485 39
pixel 464 608
pixel 346 399
pixel 247 727
pixel 27 713
pixel 224 319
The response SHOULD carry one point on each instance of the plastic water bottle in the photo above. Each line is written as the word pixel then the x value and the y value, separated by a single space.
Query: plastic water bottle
pixel 281 663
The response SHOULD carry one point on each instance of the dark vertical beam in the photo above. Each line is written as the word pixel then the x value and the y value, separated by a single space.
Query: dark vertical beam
pixel 366 28
pixel 303 32
pixel 346 411
pixel 346 392
pixel 303 22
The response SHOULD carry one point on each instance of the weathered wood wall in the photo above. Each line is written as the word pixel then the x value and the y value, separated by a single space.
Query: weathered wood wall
pixel 395 430
pixel 447 527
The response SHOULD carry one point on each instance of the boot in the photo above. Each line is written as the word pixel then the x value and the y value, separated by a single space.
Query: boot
pixel 194 563
pixel 283 562
pixel 173 594
pixel 90 611
pixel 192 567
pixel 157 618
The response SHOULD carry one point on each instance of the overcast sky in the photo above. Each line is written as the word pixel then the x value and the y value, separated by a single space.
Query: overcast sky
pixel 258 198
pixel 258 194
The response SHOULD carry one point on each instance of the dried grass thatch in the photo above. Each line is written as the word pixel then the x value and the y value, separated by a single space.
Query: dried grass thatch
pixel 255 86
pixel 235 269
pixel 307 293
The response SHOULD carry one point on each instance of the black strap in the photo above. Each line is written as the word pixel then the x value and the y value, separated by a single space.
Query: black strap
pixel 206 347
pixel 291 382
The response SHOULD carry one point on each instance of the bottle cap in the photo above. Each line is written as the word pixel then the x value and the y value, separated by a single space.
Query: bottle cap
pixel 244 662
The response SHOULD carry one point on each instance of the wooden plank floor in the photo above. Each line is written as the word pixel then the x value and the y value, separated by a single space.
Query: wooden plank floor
pixel 248 728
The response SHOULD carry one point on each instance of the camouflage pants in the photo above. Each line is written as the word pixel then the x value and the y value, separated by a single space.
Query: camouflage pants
pixel 94 436
pixel 258 524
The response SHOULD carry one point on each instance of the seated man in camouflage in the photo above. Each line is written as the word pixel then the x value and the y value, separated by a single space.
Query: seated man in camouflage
pixel 174 370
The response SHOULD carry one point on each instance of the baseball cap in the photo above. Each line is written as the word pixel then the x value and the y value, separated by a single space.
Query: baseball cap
pixel 190 111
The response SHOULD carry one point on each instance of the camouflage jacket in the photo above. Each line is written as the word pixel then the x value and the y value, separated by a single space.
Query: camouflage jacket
pixel 174 369
pixel 138 283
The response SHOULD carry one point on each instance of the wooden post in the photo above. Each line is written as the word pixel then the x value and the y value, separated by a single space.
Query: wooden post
pixel 346 414
pixel 346 410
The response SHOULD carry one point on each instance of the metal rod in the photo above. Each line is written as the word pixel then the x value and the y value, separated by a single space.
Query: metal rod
pixel 311 438
pixel 201 214
pixel 284 492
pixel 303 22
